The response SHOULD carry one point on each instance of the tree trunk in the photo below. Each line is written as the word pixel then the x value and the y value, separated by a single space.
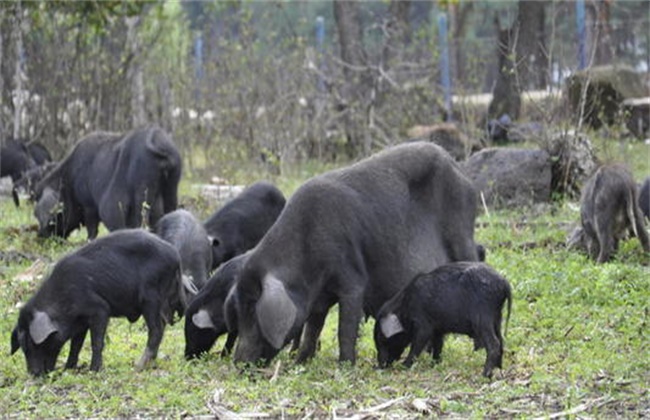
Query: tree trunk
pixel 2 85
pixel 358 80
pixel 530 45
pixel 20 95
pixel 599 32
pixel 397 31
pixel 459 16
pixel 138 112
pixel 506 99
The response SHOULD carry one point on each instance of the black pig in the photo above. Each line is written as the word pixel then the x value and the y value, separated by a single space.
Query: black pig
pixel 353 237
pixel 121 180
pixel 462 298
pixel 124 274
pixel 187 234
pixel 240 223
pixel 204 317
pixel 609 210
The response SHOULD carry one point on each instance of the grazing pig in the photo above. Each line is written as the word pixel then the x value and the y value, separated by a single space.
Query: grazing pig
pixel 186 233
pixel 644 198
pixel 462 298
pixel 608 210
pixel 124 274
pixel 240 223
pixel 204 317
pixel 352 236
pixel 118 179
pixel 48 211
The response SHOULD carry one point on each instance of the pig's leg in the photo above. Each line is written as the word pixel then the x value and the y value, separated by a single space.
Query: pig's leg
pixel 436 345
pixel 91 220
pixel 493 349
pixel 350 315
pixel 604 224
pixel 230 342
pixel 75 347
pixel 497 332
pixel 98 325
pixel 156 327
pixel 311 332
pixel 592 241
pixel 640 228
pixel 420 340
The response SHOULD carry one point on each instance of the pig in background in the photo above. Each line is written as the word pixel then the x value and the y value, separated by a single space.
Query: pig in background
pixel 609 211
pixel 240 224
pixel 129 273
pixel 121 180
pixel 462 298
pixel 188 236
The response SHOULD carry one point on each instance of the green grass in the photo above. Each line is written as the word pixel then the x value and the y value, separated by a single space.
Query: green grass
pixel 577 341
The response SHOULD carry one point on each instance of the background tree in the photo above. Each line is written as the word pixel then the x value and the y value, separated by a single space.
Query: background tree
pixel 530 45
pixel 358 81
pixel 397 30
pixel 506 97
pixel 522 55
pixel 258 88
pixel 599 31
pixel 459 14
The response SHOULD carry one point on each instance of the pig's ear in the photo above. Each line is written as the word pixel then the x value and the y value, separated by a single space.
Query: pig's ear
pixel 202 319
pixel 275 310
pixel 15 344
pixel 390 325
pixel 41 327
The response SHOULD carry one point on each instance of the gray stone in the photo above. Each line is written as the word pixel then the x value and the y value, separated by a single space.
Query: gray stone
pixel 509 177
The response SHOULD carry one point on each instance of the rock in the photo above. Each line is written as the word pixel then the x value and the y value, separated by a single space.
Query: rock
pixel 510 177
pixel 607 88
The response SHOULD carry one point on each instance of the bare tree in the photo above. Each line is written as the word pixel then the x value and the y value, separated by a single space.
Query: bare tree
pixel 19 75
pixel 530 45
pixel 358 80
pixel 397 31
pixel 2 86
pixel 459 14
pixel 523 59
pixel 599 31
pixel 135 74
pixel 506 99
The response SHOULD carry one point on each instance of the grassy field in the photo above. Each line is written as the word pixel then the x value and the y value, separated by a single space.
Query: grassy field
pixel 578 342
